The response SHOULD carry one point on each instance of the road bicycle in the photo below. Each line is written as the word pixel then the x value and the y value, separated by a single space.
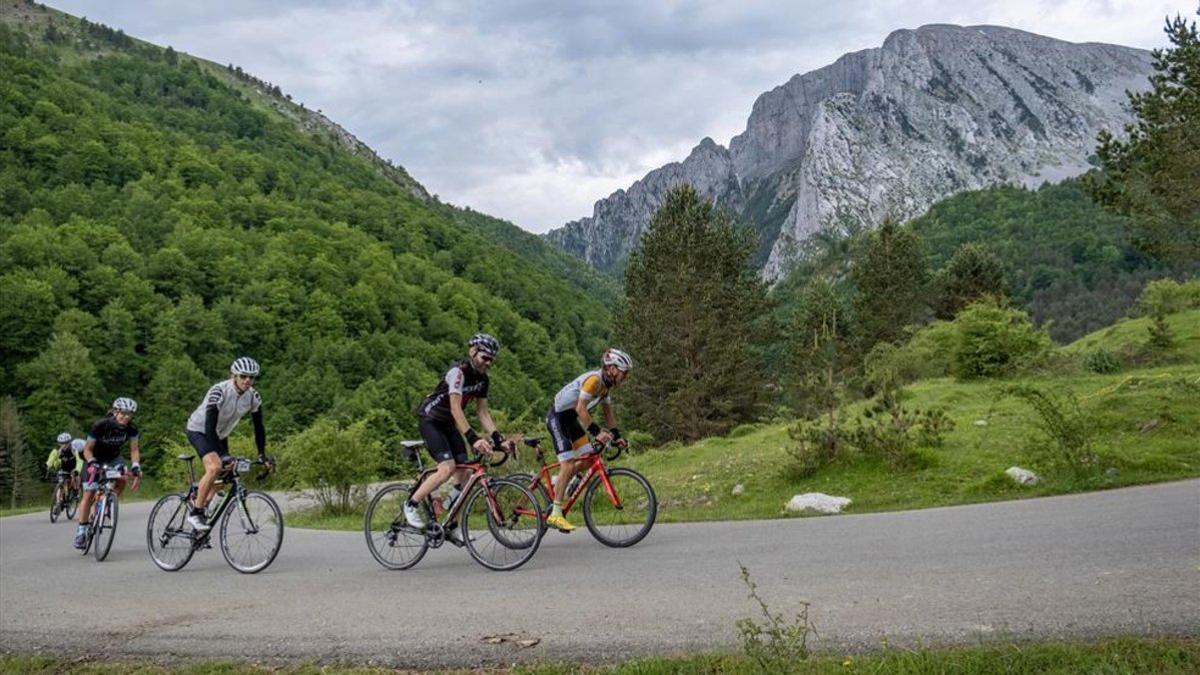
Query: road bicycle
pixel 619 504
pixel 65 499
pixel 105 509
pixel 249 522
pixel 494 518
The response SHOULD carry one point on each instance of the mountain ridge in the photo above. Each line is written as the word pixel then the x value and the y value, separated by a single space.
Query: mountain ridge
pixel 888 131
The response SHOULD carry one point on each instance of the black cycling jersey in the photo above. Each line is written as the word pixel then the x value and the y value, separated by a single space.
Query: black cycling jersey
pixel 110 437
pixel 462 378
pixel 66 459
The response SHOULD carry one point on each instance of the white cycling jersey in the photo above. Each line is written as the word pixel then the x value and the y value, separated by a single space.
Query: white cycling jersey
pixel 231 407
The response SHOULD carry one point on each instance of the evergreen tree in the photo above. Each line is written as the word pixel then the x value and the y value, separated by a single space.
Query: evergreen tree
pixel 819 355
pixel 15 458
pixel 971 274
pixel 891 276
pixel 694 308
pixel 66 388
pixel 1154 176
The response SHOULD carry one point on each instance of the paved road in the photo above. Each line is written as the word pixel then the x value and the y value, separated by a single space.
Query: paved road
pixel 1118 562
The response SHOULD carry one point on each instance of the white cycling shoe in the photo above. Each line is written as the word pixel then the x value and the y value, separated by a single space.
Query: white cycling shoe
pixel 413 517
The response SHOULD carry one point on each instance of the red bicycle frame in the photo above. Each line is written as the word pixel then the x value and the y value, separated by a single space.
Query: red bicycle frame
pixel 596 467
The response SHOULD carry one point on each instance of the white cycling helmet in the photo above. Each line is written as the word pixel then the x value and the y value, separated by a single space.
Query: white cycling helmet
pixel 64 437
pixel 77 444
pixel 486 343
pixel 244 366
pixel 618 358
pixel 123 404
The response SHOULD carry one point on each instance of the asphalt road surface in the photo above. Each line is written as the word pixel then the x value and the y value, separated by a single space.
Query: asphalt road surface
pixel 1122 562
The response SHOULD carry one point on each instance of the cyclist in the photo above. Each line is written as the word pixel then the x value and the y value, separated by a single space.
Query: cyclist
pixel 103 446
pixel 443 423
pixel 65 457
pixel 208 429
pixel 570 422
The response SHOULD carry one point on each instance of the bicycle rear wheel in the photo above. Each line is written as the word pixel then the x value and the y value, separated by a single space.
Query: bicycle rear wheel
pixel 627 522
pixel 251 532
pixel 392 542
pixel 499 525
pixel 168 537
pixel 106 529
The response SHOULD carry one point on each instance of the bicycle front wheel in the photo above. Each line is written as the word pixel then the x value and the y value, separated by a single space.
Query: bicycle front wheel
pixel 501 524
pixel 106 529
pixel 56 503
pixel 625 520
pixel 168 537
pixel 72 504
pixel 251 532
pixel 392 542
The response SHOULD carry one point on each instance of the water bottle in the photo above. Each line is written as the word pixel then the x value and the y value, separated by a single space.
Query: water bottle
pixel 573 484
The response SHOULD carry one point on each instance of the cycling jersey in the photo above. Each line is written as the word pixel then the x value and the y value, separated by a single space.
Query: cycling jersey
pixel 231 407
pixel 589 386
pixel 109 437
pixel 62 459
pixel 462 379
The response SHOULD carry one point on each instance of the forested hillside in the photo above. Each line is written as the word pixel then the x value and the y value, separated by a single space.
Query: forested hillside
pixel 160 215
pixel 1065 259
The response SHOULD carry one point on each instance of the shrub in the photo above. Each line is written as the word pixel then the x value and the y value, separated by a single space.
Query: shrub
pixel 1167 296
pixel 333 462
pixel 993 341
pixel 816 445
pixel 893 433
pixel 1101 361
pixel 1067 431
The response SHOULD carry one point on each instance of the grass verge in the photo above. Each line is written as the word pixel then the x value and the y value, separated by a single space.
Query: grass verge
pixel 1122 655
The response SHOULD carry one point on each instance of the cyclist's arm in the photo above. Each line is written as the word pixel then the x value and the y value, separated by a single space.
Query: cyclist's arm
pixel 260 432
pixel 211 413
pixel 585 415
pixel 87 449
pixel 460 417
pixel 610 417
pixel 135 450
pixel 52 462
pixel 485 415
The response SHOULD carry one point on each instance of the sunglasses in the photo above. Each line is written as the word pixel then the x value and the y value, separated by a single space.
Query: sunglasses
pixel 246 377
pixel 486 359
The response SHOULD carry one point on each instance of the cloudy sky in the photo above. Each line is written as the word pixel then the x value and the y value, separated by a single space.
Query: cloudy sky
pixel 532 111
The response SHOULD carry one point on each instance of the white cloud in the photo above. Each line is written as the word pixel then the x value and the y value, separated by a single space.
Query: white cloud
pixel 533 110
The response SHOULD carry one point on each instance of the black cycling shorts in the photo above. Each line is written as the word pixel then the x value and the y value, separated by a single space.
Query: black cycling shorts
pixel 444 441
pixel 203 446
pixel 570 440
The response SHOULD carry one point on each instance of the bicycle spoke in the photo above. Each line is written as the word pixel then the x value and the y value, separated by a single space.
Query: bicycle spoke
pixel 627 522
pixel 168 537
pixel 251 533
pixel 391 541
pixel 501 525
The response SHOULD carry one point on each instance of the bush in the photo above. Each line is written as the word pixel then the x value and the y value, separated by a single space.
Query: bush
pixel 1067 431
pixel 1167 296
pixel 776 644
pixel 333 462
pixel 994 341
pixel 817 444
pixel 891 432
pixel 1101 361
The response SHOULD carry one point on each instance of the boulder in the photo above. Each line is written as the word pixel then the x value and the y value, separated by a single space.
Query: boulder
pixel 816 501
pixel 1022 476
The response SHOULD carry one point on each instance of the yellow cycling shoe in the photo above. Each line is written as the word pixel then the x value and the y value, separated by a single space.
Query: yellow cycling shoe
pixel 561 523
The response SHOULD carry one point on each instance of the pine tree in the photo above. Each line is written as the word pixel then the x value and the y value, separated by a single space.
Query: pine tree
pixel 15 457
pixel 695 307
pixel 1154 176
pixel 972 273
pixel 891 277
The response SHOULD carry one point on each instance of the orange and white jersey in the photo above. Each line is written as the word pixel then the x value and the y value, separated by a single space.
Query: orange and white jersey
pixel 589 387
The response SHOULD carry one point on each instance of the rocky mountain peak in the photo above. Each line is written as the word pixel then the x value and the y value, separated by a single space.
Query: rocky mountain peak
pixel 886 132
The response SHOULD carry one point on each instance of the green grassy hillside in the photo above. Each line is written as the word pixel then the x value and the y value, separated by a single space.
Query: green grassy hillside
pixel 160 215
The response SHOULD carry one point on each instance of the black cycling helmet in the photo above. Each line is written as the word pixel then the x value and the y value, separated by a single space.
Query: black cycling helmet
pixel 486 343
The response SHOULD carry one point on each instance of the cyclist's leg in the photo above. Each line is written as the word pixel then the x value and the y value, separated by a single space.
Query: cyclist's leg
pixel 210 458
pixel 118 463
pixel 568 438
pixel 439 440
pixel 90 484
